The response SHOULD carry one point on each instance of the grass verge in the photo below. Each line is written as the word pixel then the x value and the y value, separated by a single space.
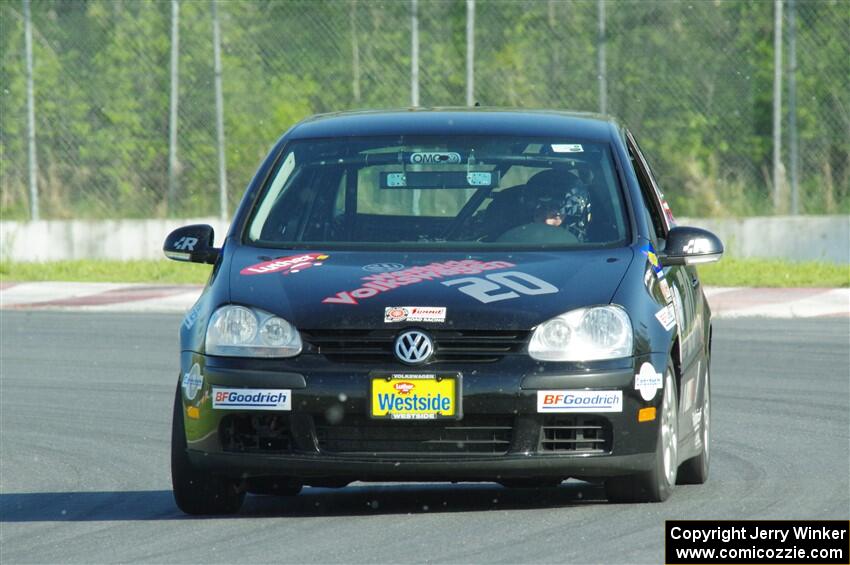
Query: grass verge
pixel 91 270
pixel 728 272
pixel 770 272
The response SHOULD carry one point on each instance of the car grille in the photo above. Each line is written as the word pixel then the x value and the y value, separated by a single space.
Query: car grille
pixel 486 435
pixel 575 434
pixel 456 346
pixel 255 434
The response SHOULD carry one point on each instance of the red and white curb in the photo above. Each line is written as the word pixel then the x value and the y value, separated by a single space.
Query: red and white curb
pixel 98 297
pixel 779 302
pixel 114 297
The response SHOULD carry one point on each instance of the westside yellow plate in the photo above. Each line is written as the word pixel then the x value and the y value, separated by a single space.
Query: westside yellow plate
pixel 415 396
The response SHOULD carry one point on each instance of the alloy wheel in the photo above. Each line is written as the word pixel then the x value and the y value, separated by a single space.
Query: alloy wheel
pixel 669 432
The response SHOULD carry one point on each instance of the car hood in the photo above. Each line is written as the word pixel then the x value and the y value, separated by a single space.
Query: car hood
pixel 354 289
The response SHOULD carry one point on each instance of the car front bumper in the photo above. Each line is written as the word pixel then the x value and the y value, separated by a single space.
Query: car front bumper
pixel 327 435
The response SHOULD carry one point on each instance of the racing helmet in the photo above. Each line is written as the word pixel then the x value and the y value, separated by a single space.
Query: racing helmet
pixel 562 191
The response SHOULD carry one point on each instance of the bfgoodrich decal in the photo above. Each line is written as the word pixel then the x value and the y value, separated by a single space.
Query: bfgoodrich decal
pixel 251 399
pixel 579 401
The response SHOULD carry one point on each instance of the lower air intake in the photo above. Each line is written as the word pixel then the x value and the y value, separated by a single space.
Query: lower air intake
pixel 575 434
pixel 255 434
pixel 485 435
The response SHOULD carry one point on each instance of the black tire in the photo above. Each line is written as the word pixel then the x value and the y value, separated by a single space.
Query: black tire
pixel 694 471
pixel 273 486
pixel 530 483
pixel 195 491
pixel 657 484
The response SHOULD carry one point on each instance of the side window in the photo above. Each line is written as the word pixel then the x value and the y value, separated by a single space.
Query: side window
pixel 647 189
pixel 319 204
pixel 339 202
pixel 666 213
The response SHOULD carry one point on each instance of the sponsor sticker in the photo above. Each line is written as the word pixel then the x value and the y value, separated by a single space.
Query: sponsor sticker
pixel 651 256
pixel 667 317
pixel 192 382
pixel 251 399
pixel 648 382
pixel 378 283
pixel 678 307
pixel 665 290
pixel 579 401
pixel 186 243
pixel 286 265
pixel 191 317
pixel 479 178
pixel 396 180
pixel 450 158
pixel 415 314
pixel 697 245
pixel 567 148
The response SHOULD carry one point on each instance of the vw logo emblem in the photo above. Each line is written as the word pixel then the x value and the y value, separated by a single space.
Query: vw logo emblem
pixel 413 347
pixel 383 267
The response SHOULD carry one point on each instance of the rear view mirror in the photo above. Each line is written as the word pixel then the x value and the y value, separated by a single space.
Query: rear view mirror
pixel 690 246
pixel 191 243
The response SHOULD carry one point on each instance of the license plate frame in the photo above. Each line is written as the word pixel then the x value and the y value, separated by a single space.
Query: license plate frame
pixel 432 377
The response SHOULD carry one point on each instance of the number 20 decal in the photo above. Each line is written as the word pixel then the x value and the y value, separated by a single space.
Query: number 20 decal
pixel 488 289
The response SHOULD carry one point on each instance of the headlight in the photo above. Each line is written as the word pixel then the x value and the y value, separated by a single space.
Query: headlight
pixel 237 331
pixel 586 334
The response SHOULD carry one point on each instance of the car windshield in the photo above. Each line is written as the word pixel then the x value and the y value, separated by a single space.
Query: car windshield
pixel 447 191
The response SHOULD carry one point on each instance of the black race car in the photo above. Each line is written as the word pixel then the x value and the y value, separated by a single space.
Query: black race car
pixel 434 295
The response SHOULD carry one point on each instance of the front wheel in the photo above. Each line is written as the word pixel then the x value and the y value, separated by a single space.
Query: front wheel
pixel 657 484
pixel 195 491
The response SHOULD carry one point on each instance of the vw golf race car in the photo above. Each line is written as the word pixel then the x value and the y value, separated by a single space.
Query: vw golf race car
pixel 429 295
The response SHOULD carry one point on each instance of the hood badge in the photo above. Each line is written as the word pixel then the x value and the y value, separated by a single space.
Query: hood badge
pixel 413 347
pixel 383 267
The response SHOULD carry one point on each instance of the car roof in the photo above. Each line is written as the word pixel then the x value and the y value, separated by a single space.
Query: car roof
pixel 456 121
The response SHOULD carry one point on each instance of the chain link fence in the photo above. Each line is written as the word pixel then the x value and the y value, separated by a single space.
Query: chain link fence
pixel 693 80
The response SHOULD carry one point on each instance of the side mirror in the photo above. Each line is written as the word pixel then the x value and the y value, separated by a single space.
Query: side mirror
pixel 191 243
pixel 690 246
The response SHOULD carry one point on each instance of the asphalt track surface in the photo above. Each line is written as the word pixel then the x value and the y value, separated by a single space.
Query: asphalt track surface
pixel 85 409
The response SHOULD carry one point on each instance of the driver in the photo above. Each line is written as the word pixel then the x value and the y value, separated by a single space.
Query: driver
pixel 559 206
pixel 566 201
pixel 547 220
pixel 548 213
